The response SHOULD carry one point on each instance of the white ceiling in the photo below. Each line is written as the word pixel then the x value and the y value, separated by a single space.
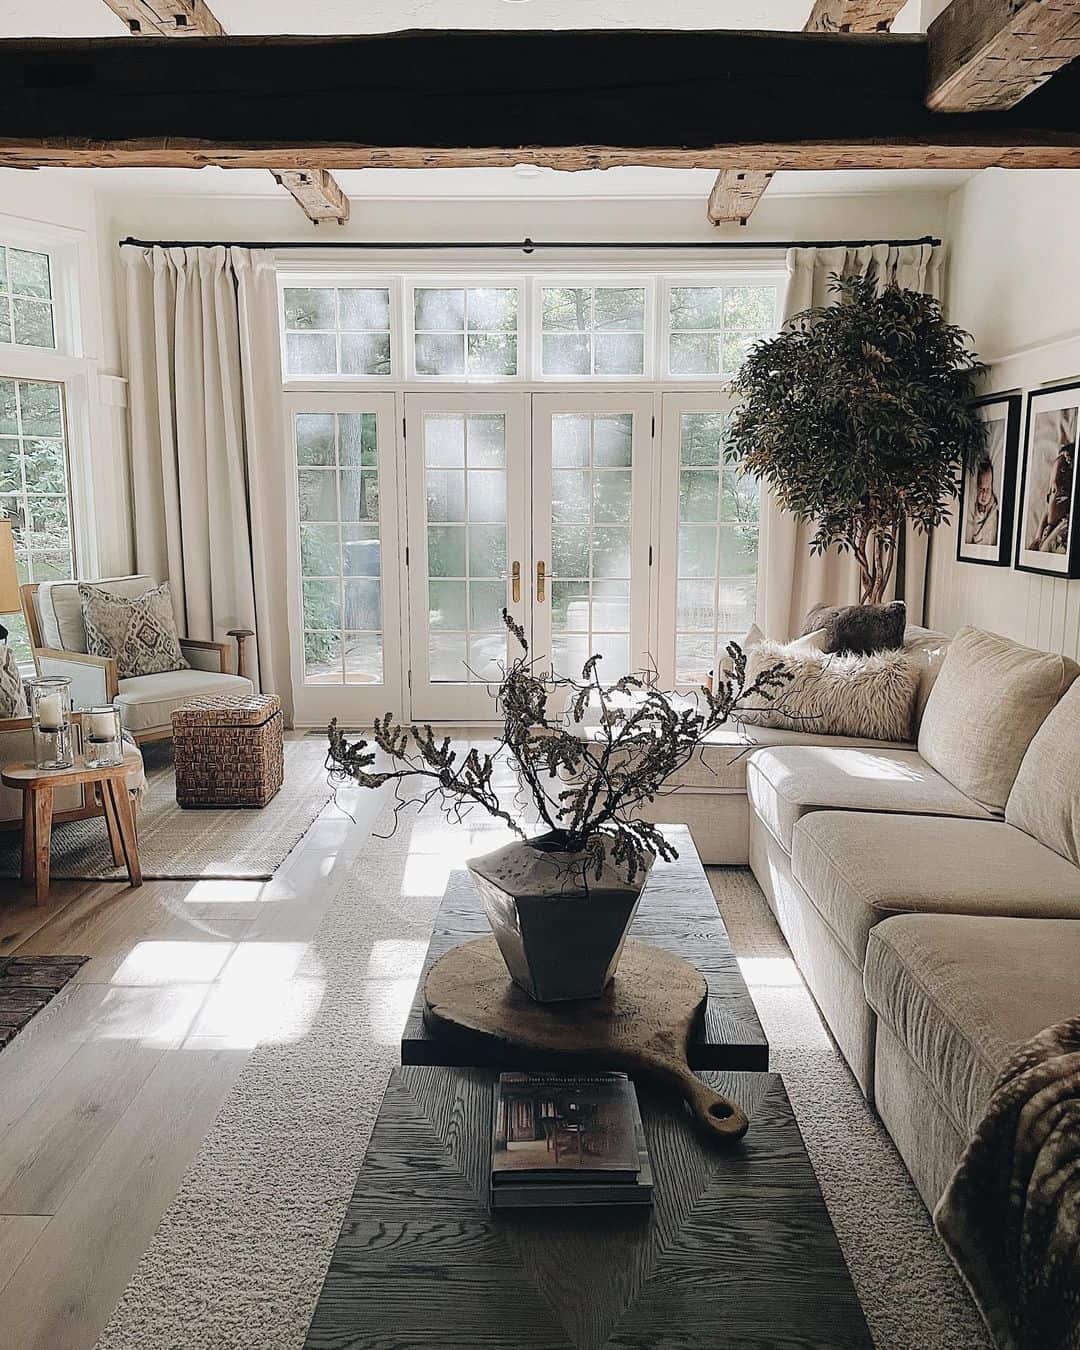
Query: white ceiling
pixel 92 18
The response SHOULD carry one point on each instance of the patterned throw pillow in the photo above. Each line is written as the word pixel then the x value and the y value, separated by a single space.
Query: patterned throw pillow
pixel 140 634
pixel 12 693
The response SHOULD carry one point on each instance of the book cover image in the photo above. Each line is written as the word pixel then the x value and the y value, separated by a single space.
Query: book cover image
pixel 565 1127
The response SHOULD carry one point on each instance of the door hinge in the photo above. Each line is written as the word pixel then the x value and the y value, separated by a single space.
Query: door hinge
pixel 654 426
pixel 404 432
pixel 406 555
pixel 650 555
pixel 410 679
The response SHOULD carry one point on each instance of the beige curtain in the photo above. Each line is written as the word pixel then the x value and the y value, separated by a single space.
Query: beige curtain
pixel 207 451
pixel 795 580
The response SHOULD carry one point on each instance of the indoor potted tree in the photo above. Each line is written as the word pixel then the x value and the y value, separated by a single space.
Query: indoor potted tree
pixel 560 902
pixel 858 416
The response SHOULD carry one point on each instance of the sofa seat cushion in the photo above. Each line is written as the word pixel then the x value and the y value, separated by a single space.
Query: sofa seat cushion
pixel 963 992
pixel 146 702
pixel 858 868
pixel 786 783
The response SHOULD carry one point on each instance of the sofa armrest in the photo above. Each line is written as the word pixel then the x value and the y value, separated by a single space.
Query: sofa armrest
pixel 93 678
pixel 213 656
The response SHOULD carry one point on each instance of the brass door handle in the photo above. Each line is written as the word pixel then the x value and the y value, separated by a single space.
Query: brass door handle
pixel 515 582
pixel 540 581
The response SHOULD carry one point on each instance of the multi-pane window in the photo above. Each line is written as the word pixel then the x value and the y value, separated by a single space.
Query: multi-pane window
pixel 711 328
pixel 332 330
pixel 26 298
pixel 591 477
pixel 465 491
pixel 717 550
pixel 465 331
pixel 34 485
pixel 340 555
pixel 592 330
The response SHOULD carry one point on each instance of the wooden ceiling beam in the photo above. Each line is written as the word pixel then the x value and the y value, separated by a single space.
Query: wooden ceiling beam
pixel 583 100
pixel 318 193
pixel 167 18
pixel 853 16
pixel 988 55
pixel 735 194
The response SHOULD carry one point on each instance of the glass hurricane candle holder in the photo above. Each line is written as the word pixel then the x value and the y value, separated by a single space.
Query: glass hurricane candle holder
pixel 50 707
pixel 102 738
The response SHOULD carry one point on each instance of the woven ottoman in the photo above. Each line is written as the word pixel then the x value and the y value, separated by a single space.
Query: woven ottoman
pixel 228 750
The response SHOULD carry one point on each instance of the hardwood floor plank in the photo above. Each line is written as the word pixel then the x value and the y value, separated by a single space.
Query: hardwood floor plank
pixel 18 1233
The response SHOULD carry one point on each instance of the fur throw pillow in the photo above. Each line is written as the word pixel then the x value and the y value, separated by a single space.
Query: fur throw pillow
pixel 859 628
pixel 140 634
pixel 835 694
pixel 12 693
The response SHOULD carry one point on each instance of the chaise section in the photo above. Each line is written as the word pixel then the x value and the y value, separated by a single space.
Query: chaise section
pixel 955 995
pixel 788 782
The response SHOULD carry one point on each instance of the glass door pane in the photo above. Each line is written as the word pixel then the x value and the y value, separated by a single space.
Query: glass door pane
pixel 709 541
pixel 591 475
pixel 346 636
pixel 466 468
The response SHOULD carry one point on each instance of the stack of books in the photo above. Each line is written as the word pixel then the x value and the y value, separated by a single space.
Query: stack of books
pixel 568 1139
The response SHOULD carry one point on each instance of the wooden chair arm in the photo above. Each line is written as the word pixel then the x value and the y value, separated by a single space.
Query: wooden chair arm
pixel 222 649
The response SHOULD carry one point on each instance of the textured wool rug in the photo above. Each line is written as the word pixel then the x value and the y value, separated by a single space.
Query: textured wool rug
pixel 239 1257
pixel 27 983
pixel 178 844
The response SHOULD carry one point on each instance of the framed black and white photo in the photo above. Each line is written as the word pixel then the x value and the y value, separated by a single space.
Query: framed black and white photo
pixel 1048 540
pixel 988 485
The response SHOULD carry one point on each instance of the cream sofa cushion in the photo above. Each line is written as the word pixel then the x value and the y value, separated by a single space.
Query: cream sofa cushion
pixel 990 698
pixel 787 783
pixel 146 702
pixel 858 868
pixel 1045 799
pixel 927 649
pixel 59 608
pixel 961 993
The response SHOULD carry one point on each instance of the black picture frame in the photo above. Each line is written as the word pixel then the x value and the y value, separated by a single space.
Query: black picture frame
pixel 1058 399
pixel 1000 554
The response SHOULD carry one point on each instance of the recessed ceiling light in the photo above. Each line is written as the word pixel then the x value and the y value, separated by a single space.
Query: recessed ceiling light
pixel 527 170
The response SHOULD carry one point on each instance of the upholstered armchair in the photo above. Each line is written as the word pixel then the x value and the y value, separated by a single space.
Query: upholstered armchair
pixel 54 616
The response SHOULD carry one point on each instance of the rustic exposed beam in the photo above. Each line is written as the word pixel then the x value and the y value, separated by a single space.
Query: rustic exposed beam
pixel 582 100
pixel 167 18
pixel 853 16
pixel 318 193
pixel 989 54
pixel 735 194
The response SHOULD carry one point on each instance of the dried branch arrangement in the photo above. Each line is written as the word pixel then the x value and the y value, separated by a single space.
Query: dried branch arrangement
pixel 587 788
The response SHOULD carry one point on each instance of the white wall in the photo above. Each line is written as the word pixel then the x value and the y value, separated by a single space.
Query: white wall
pixel 1014 284
pixel 54 201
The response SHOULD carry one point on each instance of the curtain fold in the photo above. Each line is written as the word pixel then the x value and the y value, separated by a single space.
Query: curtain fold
pixel 207 449
pixel 794 579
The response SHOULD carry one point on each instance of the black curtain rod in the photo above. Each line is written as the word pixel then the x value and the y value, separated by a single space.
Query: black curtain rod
pixel 527 245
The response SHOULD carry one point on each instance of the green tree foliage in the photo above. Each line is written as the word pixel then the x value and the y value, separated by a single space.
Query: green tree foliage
pixel 858 416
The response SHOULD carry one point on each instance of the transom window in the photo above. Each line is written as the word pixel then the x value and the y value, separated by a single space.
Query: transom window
pixel 465 331
pixel 711 328
pixel 26 298
pixel 333 330
pixel 592 330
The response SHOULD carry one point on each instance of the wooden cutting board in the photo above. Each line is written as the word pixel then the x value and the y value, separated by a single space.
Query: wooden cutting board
pixel 641 1025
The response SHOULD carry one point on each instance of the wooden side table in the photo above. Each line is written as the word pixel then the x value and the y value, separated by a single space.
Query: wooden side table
pixel 38 785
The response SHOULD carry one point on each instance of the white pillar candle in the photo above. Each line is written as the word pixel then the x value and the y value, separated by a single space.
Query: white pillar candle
pixel 49 712
pixel 102 726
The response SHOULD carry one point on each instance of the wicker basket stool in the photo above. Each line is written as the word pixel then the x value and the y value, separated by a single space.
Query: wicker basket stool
pixel 228 750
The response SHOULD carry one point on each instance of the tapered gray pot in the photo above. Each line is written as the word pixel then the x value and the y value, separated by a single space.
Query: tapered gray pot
pixel 560 932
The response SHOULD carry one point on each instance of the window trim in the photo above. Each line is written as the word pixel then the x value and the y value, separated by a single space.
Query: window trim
pixel 341 281
pixel 708 280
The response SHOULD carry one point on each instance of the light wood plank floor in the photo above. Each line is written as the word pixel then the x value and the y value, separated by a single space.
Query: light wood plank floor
pixel 106 1096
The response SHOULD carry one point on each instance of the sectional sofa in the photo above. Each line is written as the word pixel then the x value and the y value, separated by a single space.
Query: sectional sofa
pixel 930 894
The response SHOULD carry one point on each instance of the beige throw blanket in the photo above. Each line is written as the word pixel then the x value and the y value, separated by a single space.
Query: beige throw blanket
pixel 1010 1216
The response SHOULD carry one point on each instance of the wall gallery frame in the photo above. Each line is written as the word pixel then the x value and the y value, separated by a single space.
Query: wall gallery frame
pixel 988 486
pixel 1048 529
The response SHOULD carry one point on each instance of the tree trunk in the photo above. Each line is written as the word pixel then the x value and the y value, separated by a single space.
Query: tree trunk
pixel 876 559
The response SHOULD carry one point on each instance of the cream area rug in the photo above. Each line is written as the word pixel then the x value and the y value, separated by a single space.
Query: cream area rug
pixel 239 1257
pixel 178 844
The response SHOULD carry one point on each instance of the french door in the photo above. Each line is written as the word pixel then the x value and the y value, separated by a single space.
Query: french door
pixel 345 603
pixel 466 463
pixel 591 489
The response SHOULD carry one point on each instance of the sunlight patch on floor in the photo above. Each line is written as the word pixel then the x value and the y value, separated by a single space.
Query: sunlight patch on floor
pixel 173 962
pixel 392 957
pixel 774 972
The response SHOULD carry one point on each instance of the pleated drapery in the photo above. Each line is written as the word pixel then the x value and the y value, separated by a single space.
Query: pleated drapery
pixel 794 579
pixel 208 461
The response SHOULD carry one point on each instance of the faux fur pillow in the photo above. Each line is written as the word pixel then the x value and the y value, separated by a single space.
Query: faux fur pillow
pixel 859 628
pixel 140 634
pixel 835 694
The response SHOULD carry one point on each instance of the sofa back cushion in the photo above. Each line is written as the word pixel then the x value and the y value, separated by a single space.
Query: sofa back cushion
pixel 926 649
pixel 1045 799
pixel 59 608
pixel 990 697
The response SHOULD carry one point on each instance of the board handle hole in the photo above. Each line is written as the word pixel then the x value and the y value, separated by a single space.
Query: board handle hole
pixel 721 1110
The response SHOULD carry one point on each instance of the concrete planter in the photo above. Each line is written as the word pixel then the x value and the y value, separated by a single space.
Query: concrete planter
pixel 561 934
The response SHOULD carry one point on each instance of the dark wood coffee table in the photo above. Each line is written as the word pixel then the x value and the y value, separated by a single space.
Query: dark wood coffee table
pixel 677 911
pixel 737 1251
